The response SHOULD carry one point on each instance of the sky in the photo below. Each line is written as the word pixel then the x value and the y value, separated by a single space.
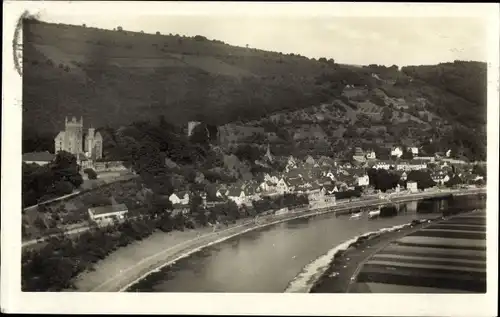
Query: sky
pixel 410 39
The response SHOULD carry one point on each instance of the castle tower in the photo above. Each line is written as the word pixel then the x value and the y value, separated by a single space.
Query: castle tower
pixel 73 136
pixel 90 142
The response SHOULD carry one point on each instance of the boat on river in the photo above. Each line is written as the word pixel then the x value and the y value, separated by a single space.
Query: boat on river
pixel 356 215
pixel 374 213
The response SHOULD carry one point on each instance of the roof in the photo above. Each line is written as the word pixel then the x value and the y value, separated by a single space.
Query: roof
pixel 181 193
pixel 59 135
pixel 108 209
pixel 39 156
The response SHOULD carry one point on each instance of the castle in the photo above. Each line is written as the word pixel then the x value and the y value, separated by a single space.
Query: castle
pixel 74 141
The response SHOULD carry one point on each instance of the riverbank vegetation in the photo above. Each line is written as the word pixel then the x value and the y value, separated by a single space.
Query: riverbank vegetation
pixel 52 267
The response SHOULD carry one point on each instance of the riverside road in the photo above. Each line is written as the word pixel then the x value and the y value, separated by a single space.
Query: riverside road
pixel 341 206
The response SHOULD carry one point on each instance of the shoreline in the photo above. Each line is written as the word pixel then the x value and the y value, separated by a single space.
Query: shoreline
pixel 314 273
pixel 130 264
pixel 342 270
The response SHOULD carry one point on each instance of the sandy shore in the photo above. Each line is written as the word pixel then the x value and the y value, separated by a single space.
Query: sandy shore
pixel 129 264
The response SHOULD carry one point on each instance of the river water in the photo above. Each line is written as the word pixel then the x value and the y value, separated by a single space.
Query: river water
pixel 266 260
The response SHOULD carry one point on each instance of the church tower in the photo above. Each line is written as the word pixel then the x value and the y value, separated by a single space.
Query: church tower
pixel 269 156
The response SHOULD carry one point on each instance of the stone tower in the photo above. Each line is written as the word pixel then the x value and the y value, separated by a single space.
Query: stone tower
pixel 90 142
pixel 73 136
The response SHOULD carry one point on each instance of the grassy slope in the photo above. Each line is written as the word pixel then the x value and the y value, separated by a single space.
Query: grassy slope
pixel 113 78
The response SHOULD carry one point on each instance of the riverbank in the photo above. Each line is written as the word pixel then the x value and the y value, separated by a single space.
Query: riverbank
pixel 337 277
pixel 344 269
pixel 133 262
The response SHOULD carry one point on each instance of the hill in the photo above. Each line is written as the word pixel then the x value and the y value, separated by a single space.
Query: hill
pixel 113 78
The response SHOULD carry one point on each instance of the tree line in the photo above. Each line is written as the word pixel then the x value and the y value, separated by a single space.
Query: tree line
pixel 54 266
pixel 58 178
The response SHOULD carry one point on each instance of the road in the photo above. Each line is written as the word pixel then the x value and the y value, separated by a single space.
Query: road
pixel 339 207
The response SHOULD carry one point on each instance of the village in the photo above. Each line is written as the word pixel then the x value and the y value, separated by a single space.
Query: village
pixel 323 180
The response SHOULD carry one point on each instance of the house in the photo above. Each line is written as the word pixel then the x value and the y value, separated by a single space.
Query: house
pixel 266 186
pixel 397 151
pixel 440 178
pixel 454 161
pixel 371 155
pixel 404 176
pixel 411 166
pixel 282 186
pixel 412 187
pixel 363 180
pixel 382 165
pixel 413 150
pixel 39 158
pixel 271 178
pixel 310 160
pixel 180 209
pixel 111 212
pixel 179 198
pixel 221 193
pixel 425 158
pixel 236 194
pixel 330 175
pixel 291 163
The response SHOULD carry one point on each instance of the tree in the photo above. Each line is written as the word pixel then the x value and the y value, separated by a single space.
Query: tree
pixel 90 173
pixel 62 188
pixel 407 155
pixel 382 180
pixel 479 170
pixel 454 181
pixel 422 178
pixel 119 28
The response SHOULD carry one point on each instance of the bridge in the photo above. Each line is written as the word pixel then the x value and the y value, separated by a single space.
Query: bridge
pixel 448 256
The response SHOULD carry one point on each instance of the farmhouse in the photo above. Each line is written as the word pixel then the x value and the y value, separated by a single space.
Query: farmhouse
pixel 111 212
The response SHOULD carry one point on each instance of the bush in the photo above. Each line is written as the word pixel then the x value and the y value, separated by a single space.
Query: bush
pixel 90 173
pixel 63 188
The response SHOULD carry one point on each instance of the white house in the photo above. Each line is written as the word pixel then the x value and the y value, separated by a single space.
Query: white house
pixel 371 155
pixel 265 186
pixel 414 150
pixel 273 179
pixel 426 158
pixel 237 195
pixel 39 158
pixel 181 198
pixel 221 193
pixel 404 176
pixel 330 175
pixel 412 187
pixel 282 186
pixel 397 151
pixel 363 180
pixel 440 178
pixel 111 212
pixel 382 165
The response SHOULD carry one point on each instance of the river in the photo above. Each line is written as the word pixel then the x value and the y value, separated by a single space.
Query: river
pixel 266 260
